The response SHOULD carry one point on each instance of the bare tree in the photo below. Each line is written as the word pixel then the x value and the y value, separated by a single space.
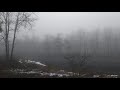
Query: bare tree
pixel 13 22
pixel 58 42
pixel 76 61
pixel 5 23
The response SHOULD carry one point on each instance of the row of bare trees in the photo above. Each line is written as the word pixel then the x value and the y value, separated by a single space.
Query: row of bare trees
pixel 97 42
pixel 10 24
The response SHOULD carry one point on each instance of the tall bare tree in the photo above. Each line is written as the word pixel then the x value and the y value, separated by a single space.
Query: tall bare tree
pixel 13 22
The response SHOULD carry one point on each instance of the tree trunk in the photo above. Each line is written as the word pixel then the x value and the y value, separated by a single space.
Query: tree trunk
pixel 6 49
pixel 13 44
pixel 6 38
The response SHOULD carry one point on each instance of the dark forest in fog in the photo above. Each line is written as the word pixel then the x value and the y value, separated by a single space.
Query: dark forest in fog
pixel 98 43
pixel 104 42
pixel 80 50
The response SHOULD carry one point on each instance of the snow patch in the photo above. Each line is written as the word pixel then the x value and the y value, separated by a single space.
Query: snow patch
pixel 60 75
pixel 30 61
pixel 112 76
pixel 96 76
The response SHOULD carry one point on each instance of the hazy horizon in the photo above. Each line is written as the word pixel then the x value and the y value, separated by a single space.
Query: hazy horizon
pixel 53 23
pixel 70 44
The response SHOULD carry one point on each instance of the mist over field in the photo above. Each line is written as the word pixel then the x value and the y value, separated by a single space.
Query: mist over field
pixel 69 41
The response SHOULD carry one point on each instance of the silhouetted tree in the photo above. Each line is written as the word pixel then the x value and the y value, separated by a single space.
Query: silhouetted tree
pixel 76 61
pixel 13 22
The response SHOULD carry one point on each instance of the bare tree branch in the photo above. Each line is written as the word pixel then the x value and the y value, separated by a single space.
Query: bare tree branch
pixel 13 22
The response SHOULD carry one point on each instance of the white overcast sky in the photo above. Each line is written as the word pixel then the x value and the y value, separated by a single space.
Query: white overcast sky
pixel 65 22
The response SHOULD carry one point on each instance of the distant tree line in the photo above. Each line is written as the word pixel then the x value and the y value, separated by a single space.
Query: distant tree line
pixel 105 42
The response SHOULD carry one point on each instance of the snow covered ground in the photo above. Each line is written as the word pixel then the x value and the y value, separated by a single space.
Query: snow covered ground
pixel 59 73
pixel 50 74
pixel 30 61
pixel 65 74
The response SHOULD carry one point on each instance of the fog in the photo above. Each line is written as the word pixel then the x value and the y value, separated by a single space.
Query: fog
pixel 71 24
pixel 69 40
pixel 67 22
